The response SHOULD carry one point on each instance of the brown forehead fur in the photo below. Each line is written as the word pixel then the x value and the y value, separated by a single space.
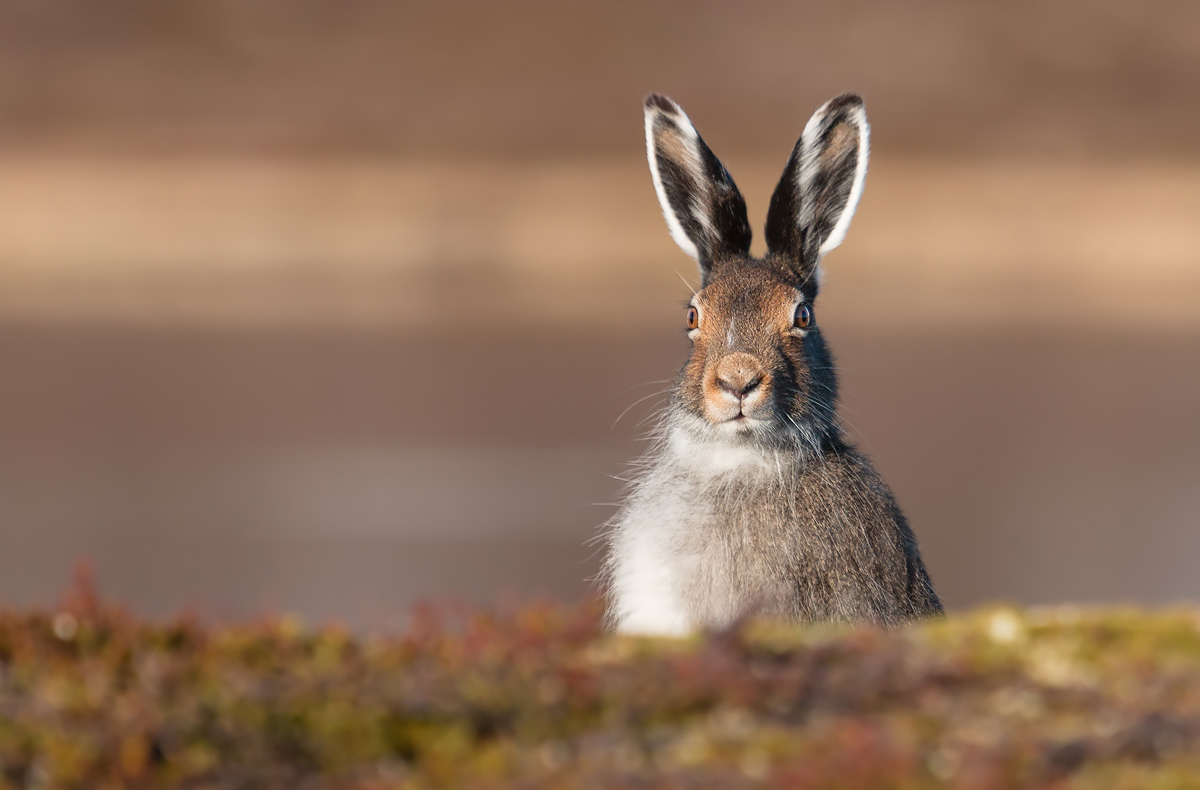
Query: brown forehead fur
pixel 754 285
pixel 755 299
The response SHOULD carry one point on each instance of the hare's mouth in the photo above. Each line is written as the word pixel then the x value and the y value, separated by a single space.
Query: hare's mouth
pixel 737 413
pixel 730 419
pixel 740 423
pixel 723 407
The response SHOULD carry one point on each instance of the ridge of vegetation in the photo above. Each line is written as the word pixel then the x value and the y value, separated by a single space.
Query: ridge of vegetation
pixel 541 697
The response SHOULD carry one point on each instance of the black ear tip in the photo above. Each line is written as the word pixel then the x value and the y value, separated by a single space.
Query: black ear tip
pixel 656 101
pixel 844 101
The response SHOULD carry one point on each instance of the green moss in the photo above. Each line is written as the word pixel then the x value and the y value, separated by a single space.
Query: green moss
pixel 541 697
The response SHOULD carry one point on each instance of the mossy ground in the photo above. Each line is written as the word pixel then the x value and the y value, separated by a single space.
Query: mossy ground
pixel 540 697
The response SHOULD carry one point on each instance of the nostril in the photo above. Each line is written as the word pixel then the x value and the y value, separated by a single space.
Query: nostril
pixel 740 386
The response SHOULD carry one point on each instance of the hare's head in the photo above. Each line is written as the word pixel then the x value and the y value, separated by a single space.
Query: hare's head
pixel 759 370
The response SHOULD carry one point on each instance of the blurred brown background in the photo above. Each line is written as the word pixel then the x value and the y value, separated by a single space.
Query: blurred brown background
pixel 327 306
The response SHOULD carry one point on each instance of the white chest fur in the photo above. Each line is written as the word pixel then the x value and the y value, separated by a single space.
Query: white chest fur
pixel 649 566
pixel 660 546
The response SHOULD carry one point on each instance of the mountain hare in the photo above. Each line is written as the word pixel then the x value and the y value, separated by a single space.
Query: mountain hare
pixel 752 500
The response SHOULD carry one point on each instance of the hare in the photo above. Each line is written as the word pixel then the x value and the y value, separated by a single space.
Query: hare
pixel 752 500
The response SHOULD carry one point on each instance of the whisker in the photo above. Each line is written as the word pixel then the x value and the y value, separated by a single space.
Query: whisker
pixel 636 402
pixel 644 384
pixel 685 282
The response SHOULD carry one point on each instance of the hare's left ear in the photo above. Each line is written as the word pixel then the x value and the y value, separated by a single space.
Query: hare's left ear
pixel 815 200
pixel 704 210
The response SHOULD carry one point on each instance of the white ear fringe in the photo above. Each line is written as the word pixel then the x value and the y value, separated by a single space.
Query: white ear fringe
pixel 689 132
pixel 860 177
pixel 808 171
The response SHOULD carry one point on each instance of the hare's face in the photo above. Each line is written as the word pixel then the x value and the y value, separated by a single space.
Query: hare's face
pixel 759 368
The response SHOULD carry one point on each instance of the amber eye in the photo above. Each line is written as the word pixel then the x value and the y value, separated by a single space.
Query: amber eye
pixel 693 318
pixel 803 316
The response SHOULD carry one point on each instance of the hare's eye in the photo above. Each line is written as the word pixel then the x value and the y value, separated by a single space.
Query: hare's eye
pixel 803 316
pixel 693 318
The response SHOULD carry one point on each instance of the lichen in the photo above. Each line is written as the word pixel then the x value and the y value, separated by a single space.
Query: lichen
pixel 541 697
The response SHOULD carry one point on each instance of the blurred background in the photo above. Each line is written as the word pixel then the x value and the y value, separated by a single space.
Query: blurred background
pixel 326 307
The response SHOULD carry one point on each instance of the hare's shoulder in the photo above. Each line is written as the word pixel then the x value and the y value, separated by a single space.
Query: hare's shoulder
pixel 884 543
pixel 834 506
pixel 846 475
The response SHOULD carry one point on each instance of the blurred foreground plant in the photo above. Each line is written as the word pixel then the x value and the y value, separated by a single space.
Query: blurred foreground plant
pixel 539 697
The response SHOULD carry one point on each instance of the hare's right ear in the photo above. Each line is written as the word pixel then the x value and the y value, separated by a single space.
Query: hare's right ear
pixel 703 208
pixel 815 200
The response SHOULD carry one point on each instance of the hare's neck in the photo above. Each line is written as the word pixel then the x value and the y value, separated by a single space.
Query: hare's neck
pixel 718 457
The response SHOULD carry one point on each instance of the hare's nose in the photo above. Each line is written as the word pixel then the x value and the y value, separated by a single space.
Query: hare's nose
pixel 740 385
pixel 739 374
